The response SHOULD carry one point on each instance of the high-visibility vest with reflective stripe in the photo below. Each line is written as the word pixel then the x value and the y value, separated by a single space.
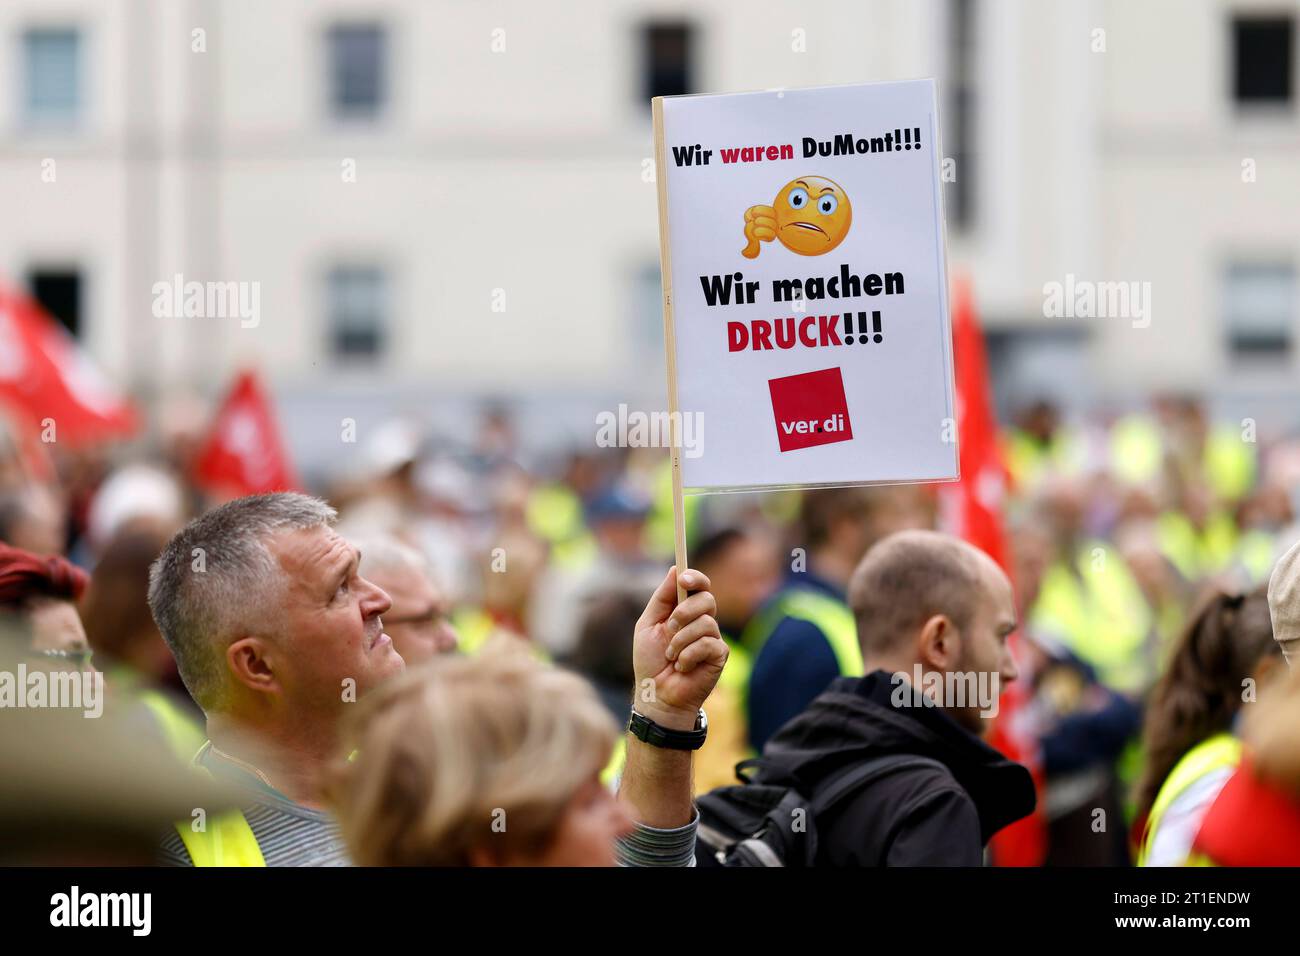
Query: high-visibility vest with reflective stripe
pixel 1216 753
pixel 227 840
pixel 833 618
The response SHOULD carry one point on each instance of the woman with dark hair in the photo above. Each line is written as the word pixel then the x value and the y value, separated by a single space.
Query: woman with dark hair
pixel 41 592
pixel 1189 737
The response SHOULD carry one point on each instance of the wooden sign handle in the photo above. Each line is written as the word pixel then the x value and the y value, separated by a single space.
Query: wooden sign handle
pixel 670 344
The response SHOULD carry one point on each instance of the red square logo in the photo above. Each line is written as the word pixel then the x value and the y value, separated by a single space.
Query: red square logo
pixel 810 409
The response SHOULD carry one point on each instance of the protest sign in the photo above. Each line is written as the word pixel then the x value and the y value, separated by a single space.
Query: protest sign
pixel 805 286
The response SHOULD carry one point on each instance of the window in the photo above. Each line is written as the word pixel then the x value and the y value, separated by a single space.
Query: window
pixel 52 74
pixel 959 113
pixel 59 293
pixel 358 70
pixel 1262 55
pixel 358 312
pixel 666 60
pixel 1260 308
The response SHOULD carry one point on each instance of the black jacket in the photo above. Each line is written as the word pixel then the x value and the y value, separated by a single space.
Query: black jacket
pixel 914 816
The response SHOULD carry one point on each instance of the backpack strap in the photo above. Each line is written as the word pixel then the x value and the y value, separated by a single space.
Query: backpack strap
pixel 857 775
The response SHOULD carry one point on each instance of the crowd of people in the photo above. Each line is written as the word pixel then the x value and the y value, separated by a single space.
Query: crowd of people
pixel 472 655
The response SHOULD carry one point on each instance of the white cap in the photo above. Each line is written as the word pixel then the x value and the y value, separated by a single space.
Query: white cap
pixel 1284 598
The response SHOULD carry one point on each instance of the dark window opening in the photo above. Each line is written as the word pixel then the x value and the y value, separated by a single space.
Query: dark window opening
pixel 59 293
pixel 1262 54
pixel 666 52
pixel 357 70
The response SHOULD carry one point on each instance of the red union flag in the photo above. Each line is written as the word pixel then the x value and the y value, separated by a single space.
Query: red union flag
pixel 810 409
pixel 44 375
pixel 243 454
pixel 973 510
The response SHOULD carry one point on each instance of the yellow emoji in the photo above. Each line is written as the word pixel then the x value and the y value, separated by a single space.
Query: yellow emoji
pixel 810 215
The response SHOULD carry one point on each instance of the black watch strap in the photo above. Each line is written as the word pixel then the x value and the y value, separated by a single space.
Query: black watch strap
pixel 645 729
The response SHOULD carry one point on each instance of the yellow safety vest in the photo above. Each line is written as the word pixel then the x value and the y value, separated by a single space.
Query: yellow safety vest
pixel 1255 555
pixel 1230 463
pixel 1137 449
pixel 226 839
pixel 1099 613
pixel 1219 751
pixel 554 514
pixel 475 626
pixel 1030 461
pixel 833 618
pixel 1197 552
pixel 181 732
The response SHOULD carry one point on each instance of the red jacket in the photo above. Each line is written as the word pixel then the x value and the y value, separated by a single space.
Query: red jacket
pixel 1252 823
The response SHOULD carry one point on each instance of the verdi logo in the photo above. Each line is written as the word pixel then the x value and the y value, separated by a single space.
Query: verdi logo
pixel 810 409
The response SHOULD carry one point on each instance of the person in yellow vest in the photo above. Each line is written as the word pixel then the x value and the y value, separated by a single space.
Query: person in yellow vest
pixel 276 635
pixel 1199 539
pixel 804 636
pixel 743 568
pixel 1088 600
pixel 78 792
pixel 138 667
pixel 1224 658
pixel 554 512
pixel 1040 446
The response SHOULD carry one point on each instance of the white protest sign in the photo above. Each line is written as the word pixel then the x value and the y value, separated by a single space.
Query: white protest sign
pixel 805 284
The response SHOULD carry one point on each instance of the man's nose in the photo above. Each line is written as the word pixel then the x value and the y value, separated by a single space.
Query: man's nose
pixel 1008 671
pixel 376 600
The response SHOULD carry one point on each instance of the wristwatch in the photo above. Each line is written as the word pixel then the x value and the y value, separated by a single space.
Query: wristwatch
pixel 645 729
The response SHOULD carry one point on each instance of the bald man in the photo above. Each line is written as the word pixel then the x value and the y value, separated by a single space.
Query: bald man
pixel 933 617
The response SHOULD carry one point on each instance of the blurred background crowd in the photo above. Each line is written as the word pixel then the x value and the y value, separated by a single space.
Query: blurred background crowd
pixel 1117 527
pixel 433 364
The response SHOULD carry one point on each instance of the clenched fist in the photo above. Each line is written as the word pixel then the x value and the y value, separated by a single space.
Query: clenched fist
pixel 679 650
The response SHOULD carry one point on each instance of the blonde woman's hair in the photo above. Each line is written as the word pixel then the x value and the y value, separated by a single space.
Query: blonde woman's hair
pixel 441 752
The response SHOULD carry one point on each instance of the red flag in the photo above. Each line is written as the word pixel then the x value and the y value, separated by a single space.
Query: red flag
pixel 243 453
pixel 972 510
pixel 50 383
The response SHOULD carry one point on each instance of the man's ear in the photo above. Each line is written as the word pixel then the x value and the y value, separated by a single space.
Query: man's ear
pixel 250 663
pixel 939 645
